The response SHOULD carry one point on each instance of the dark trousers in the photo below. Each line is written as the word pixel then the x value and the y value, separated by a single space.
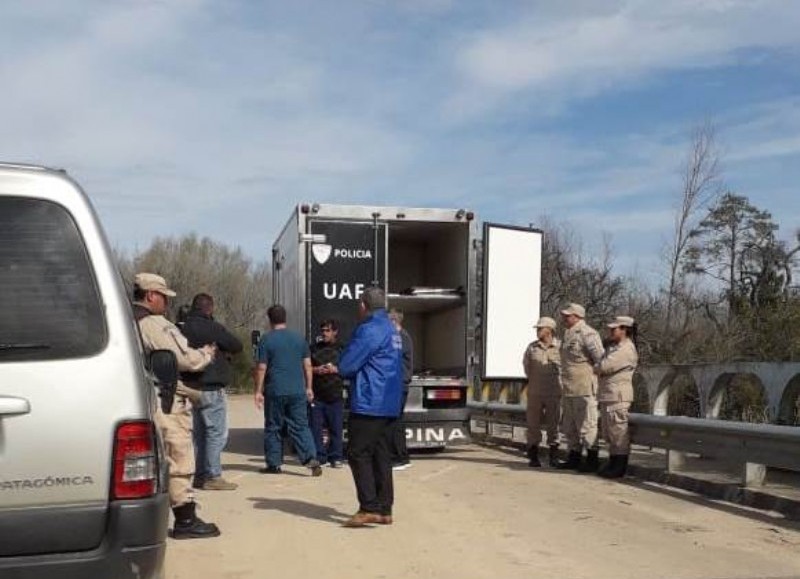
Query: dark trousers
pixel 399 451
pixel 290 412
pixel 370 460
pixel 327 415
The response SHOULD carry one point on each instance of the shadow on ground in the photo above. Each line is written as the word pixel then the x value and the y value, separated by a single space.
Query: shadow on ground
pixel 235 467
pixel 249 441
pixel 301 509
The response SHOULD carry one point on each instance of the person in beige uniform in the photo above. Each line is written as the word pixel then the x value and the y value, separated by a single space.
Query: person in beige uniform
pixel 542 363
pixel 581 350
pixel 150 298
pixel 615 394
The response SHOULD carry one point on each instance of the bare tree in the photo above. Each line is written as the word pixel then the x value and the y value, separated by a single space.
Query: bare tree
pixel 699 188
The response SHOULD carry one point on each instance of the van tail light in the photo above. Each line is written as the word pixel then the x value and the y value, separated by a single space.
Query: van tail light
pixel 135 464
pixel 443 394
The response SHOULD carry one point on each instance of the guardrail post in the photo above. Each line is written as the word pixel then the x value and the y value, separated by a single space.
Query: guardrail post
pixel 754 474
pixel 675 460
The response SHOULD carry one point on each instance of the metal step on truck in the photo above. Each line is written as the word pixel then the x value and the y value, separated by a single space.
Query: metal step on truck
pixel 470 296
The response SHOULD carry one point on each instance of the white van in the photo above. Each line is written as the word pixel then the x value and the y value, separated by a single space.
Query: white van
pixel 82 479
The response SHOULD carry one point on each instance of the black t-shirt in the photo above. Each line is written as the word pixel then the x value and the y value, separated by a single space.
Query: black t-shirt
pixel 327 387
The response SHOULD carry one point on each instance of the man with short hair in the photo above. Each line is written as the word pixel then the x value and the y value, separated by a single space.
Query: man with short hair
pixel 373 363
pixel 581 350
pixel 284 360
pixel 150 299
pixel 400 458
pixel 327 410
pixel 210 418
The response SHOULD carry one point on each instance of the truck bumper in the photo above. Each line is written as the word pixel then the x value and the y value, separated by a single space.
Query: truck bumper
pixel 436 428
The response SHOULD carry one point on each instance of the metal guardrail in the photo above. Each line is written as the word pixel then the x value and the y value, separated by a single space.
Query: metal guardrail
pixel 753 446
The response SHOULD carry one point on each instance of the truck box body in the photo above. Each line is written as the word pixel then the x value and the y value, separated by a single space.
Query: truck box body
pixel 427 262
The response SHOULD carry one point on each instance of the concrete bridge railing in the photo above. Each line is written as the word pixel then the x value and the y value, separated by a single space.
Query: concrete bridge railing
pixel 710 383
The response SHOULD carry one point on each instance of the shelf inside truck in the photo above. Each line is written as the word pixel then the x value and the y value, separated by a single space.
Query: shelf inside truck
pixel 421 304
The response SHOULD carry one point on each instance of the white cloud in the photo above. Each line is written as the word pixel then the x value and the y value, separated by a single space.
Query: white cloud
pixel 590 51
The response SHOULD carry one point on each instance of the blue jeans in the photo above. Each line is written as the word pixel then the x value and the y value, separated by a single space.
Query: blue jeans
pixel 328 415
pixel 293 412
pixel 210 434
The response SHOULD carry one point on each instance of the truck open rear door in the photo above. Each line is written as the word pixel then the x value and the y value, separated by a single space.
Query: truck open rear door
pixel 512 265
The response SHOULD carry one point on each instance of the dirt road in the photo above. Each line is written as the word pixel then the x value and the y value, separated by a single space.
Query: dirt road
pixel 475 513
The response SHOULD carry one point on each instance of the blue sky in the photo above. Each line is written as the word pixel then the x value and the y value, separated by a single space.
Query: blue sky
pixel 218 117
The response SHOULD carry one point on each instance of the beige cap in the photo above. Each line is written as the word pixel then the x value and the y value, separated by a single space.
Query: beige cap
pixel 574 310
pixel 154 283
pixel 545 322
pixel 625 321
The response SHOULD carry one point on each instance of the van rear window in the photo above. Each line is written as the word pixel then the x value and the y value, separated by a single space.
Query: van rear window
pixel 49 304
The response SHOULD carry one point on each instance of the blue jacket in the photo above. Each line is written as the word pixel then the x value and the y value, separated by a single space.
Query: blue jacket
pixel 373 361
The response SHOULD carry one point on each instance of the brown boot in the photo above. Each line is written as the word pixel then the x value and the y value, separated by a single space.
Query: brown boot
pixel 362 519
pixel 219 484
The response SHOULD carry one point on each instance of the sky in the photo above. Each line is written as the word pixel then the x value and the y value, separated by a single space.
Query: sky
pixel 219 117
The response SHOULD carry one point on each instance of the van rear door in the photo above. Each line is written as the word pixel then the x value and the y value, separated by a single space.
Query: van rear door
pixel 56 426
pixel 512 272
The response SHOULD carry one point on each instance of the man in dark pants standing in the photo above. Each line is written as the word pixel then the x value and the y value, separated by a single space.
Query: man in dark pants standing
pixel 373 363
pixel 400 459
pixel 327 410
pixel 210 417
pixel 284 360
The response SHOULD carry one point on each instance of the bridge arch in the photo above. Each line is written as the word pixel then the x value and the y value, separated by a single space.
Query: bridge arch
pixel 738 396
pixel 641 395
pixel 789 409
pixel 681 393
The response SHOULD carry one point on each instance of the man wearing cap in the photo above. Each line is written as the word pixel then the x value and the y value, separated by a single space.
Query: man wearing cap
pixel 581 350
pixel 615 393
pixel 150 299
pixel 542 364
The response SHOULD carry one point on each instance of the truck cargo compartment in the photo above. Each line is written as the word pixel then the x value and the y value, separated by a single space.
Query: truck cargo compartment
pixel 427 278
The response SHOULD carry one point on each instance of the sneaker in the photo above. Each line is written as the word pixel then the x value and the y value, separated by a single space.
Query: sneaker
pixel 219 484
pixel 315 466
pixel 401 466
pixel 335 464
pixel 270 470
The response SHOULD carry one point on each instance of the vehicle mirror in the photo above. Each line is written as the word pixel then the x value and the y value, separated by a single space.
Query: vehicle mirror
pixel 164 366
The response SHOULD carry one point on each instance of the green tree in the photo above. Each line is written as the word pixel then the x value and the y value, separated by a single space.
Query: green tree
pixel 733 245
pixel 191 265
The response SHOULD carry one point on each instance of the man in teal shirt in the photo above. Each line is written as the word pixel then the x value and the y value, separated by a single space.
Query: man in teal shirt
pixel 284 360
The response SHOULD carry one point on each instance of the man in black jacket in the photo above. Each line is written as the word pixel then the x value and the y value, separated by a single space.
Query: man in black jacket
pixel 400 458
pixel 327 410
pixel 210 418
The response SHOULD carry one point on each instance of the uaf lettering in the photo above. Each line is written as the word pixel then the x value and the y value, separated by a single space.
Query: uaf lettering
pixel 353 253
pixel 335 291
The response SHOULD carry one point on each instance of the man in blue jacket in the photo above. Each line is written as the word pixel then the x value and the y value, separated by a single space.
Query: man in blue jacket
pixel 373 363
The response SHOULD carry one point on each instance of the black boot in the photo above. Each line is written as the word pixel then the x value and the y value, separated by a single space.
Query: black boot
pixel 553 455
pixel 609 466
pixel 189 526
pixel 573 461
pixel 619 464
pixel 592 461
pixel 533 457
